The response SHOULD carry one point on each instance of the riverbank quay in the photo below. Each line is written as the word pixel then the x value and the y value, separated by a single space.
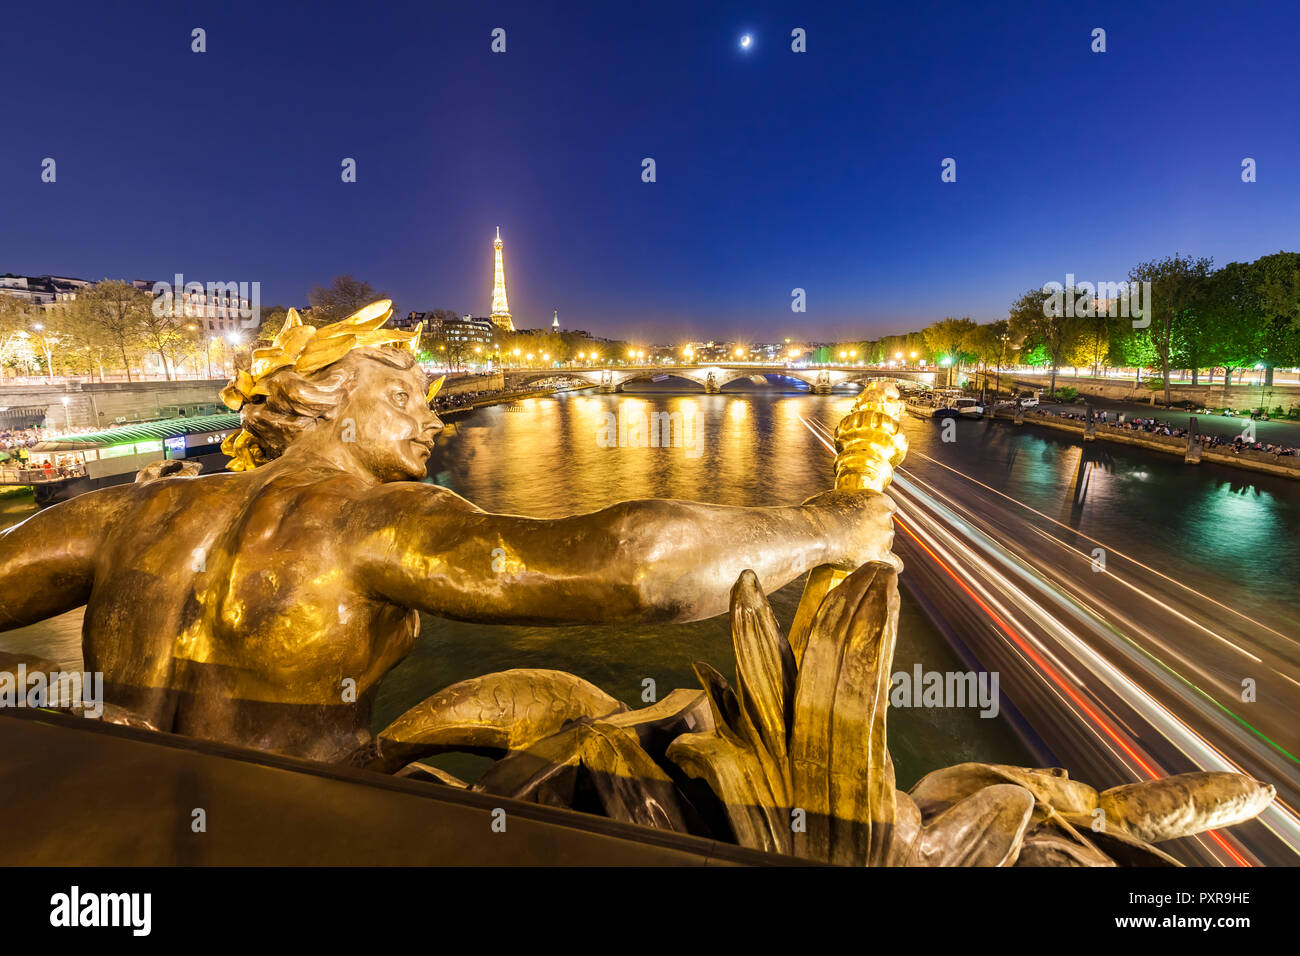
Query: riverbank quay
pixel 1213 395
pixel 1259 461
pixel 502 398
pixel 1278 431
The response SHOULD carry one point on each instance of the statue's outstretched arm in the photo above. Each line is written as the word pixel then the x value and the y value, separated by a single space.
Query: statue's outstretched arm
pixel 651 560
pixel 47 561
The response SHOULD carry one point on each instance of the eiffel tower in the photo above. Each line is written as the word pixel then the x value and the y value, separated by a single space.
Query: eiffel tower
pixel 500 308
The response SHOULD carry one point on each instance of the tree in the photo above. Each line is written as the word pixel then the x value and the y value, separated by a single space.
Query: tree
pixel 339 299
pixel 1191 342
pixel 88 347
pixel 1131 347
pixel 1035 319
pixel 117 312
pixel 1277 286
pixel 162 331
pixel 1177 282
pixel 45 339
pixel 1234 320
pixel 1092 348
pixel 947 338
pixel 1001 335
pixel 13 319
pixel 272 322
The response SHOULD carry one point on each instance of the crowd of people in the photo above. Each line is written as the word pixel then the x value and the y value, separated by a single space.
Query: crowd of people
pixel 15 465
pixel 1154 426
pixel 12 439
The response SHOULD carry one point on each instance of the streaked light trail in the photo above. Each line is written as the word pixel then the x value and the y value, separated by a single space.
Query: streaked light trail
pixel 1093 661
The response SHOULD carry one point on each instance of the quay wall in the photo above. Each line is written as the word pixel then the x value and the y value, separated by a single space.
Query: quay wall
pixel 102 404
pixel 1206 395
pixel 1287 467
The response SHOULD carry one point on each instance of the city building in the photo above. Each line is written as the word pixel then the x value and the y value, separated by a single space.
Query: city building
pixel 462 334
pixel 431 322
pixel 42 290
pixel 216 307
pixel 216 310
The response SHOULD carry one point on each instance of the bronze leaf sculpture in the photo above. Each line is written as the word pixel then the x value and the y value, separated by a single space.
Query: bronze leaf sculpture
pixel 795 758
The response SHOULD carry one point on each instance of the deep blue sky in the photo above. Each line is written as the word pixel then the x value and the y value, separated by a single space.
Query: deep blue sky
pixel 775 169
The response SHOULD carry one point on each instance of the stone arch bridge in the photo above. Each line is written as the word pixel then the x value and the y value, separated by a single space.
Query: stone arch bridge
pixel 712 378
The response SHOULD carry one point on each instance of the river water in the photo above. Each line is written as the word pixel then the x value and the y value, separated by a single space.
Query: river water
pixel 1232 532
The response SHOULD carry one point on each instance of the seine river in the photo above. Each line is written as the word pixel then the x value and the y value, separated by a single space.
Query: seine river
pixel 1227 531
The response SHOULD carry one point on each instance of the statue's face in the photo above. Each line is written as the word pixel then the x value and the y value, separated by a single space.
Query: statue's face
pixel 392 427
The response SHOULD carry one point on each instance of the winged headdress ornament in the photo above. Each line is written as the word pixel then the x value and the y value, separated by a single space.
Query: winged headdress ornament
pixel 306 349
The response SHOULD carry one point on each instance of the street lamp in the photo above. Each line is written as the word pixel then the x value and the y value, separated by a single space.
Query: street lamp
pixel 66 419
pixel 233 339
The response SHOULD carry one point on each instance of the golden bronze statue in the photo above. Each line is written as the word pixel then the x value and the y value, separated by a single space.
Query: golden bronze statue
pixel 261 607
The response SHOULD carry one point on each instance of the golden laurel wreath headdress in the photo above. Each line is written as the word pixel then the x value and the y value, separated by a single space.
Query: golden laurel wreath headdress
pixel 307 349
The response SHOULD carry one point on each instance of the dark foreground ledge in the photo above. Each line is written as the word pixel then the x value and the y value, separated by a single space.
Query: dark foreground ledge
pixel 78 792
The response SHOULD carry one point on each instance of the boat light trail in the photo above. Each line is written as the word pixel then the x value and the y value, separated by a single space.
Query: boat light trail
pixel 967 554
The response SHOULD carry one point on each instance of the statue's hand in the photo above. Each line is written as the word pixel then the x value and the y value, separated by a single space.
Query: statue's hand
pixel 869 440
pixel 860 526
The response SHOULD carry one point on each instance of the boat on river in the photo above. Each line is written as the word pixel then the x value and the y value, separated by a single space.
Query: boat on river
pixel 941 403
pixel 64 466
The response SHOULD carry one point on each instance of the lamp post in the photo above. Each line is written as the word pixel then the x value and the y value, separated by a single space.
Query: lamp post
pixel 67 420
pixel 997 385
pixel 233 339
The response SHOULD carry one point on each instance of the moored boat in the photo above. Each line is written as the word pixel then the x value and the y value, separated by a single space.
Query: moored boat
pixel 68 465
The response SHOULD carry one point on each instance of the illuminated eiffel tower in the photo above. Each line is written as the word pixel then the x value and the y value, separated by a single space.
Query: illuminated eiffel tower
pixel 500 308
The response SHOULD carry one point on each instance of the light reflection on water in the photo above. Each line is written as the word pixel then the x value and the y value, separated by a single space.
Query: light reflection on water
pixel 545 460
pixel 1225 532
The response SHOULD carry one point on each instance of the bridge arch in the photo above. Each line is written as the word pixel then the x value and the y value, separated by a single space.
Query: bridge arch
pixel 649 374
pixel 521 378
